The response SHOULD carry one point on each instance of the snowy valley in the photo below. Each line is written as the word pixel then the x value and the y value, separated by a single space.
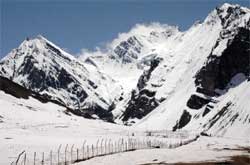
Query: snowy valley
pixel 183 84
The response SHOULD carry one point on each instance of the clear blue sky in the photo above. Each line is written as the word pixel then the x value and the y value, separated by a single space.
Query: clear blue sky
pixel 75 24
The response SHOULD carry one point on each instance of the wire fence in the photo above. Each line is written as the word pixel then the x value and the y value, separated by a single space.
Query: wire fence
pixel 69 154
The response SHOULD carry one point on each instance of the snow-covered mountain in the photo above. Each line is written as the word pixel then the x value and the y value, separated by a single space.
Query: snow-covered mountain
pixel 206 87
pixel 39 65
pixel 187 76
pixel 155 75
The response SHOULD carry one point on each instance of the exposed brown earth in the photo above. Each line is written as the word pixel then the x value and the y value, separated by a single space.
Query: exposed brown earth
pixel 234 160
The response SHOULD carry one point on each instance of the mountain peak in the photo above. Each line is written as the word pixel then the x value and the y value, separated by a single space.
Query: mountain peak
pixel 31 43
pixel 40 45
pixel 39 36
pixel 231 8
pixel 227 13
pixel 225 6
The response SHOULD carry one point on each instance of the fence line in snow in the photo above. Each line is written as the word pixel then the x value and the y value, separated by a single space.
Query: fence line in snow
pixel 71 154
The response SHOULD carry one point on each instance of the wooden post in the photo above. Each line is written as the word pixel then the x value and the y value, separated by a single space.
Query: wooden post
pixel 136 143
pixel 101 146
pixel 77 154
pixel 109 145
pixel 126 146
pixel 139 144
pixel 122 145
pixel 19 157
pixel 118 145
pixel 87 152
pixel 24 161
pixel 71 153
pixel 65 154
pixel 112 148
pixel 131 144
pixel 43 158
pixel 105 148
pixel 83 149
pixel 93 151
pixel 58 154
pixel 51 157
pixel 97 147
pixel 34 158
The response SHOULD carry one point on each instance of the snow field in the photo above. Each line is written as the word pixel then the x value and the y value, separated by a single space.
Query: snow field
pixel 35 127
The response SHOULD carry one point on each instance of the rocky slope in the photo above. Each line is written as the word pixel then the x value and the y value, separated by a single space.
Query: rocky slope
pixel 202 89
pixel 39 65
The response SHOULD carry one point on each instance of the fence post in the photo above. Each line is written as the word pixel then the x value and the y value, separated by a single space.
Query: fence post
pixel 87 152
pixel 51 157
pixel 77 156
pixel 118 145
pixel 19 156
pixel 65 154
pixel 136 143
pixel 112 147
pixel 101 146
pixel 122 146
pixel 24 159
pixel 97 147
pixel 105 147
pixel 34 158
pixel 43 158
pixel 128 144
pixel 83 149
pixel 71 153
pixel 93 150
pixel 126 147
pixel 132 144
pixel 58 154
pixel 109 145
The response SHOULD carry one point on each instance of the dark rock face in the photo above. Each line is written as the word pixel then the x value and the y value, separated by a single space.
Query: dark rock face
pixel 146 75
pixel 197 102
pixel 46 71
pixel 219 70
pixel 140 105
pixel 232 13
pixel 13 89
pixel 56 51
pixel 128 50
pixel 206 111
pixel 19 91
pixel 36 76
pixel 222 112
pixel 40 81
pixel 184 120
pixel 94 110
pixel 143 102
